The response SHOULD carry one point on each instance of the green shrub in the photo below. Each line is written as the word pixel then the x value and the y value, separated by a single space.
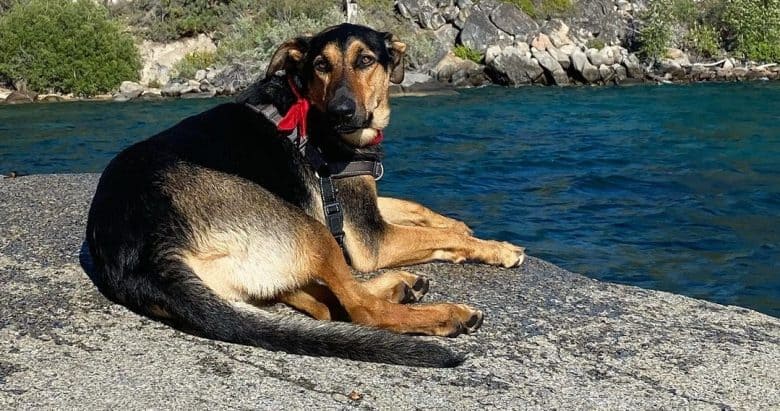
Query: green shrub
pixel 192 62
pixel 543 8
pixel 164 20
pixel 750 28
pixel 65 46
pixel 595 43
pixel 703 39
pixel 467 53
pixel 754 27
pixel 251 40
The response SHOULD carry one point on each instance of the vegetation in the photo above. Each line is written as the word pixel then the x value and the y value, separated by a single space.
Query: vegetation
pixel 467 53
pixel 192 62
pixel 748 28
pixel 543 9
pixel 65 46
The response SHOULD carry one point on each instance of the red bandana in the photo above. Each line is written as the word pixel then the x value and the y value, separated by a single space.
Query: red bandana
pixel 296 117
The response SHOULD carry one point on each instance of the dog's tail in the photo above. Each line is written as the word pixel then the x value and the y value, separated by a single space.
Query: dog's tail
pixel 208 315
pixel 193 307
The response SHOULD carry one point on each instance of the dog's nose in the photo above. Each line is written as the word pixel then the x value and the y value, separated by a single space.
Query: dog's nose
pixel 342 108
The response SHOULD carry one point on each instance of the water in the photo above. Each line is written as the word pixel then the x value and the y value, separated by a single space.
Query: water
pixel 674 188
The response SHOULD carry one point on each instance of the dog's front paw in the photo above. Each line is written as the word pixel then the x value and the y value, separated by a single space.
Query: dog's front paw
pixel 508 255
pixel 466 320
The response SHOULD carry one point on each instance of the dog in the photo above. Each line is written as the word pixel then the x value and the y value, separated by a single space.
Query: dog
pixel 272 198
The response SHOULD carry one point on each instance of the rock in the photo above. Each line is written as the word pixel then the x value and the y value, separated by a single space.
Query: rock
pixel 513 21
pixel 413 78
pixel 606 73
pixel 677 56
pixel 198 94
pixel 582 65
pixel 4 92
pixel 479 32
pixel 672 69
pixel 524 48
pixel 235 78
pixel 51 98
pixel 728 64
pixel 450 13
pixel 445 37
pixel 430 18
pixel 491 53
pixel 620 73
pixel 605 56
pixel 558 32
pixel 633 66
pixel 513 67
pixel 740 72
pixel 562 58
pixel 158 58
pixel 200 75
pixel 129 90
pixel 598 18
pixel 172 89
pixel 459 72
pixel 541 42
pixel 554 339
pixel 17 97
pixel 550 64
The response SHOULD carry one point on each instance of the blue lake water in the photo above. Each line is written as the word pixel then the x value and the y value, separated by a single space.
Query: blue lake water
pixel 674 188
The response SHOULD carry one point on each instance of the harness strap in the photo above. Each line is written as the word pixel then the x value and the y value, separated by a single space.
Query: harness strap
pixel 334 215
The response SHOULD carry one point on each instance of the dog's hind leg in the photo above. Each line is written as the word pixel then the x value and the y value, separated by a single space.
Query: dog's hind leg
pixel 404 212
pixel 365 308
pixel 398 286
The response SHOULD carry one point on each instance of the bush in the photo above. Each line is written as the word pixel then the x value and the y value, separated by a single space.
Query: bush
pixel 750 28
pixel 192 62
pixel 467 53
pixel 754 28
pixel 542 9
pixel 164 20
pixel 65 46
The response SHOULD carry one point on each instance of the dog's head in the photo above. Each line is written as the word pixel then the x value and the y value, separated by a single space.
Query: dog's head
pixel 346 71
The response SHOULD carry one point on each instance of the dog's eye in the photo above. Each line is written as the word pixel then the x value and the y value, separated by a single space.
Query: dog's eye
pixel 321 65
pixel 366 61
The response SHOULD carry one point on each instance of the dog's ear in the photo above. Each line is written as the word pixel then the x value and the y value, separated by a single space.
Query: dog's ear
pixel 397 49
pixel 288 56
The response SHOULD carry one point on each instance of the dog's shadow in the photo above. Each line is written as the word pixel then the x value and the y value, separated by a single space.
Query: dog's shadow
pixel 86 262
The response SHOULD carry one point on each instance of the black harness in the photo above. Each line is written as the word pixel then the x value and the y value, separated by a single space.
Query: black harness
pixel 325 172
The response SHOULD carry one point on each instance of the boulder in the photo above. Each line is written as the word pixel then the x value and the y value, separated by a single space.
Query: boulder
pixel 450 13
pixel 491 53
pixel 598 18
pixel 605 56
pixel 513 21
pixel 129 90
pixel 606 73
pixel 512 67
pixel 562 58
pixel 541 42
pixel 551 66
pixel 430 18
pixel 4 92
pixel 445 37
pixel 51 98
pixel 200 75
pixel 17 97
pixel 671 69
pixel 557 31
pixel 633 66
pixel 479 32
pixel 620 73
pixel 581 64
pixel 458 72
pixel 172 89
pixel 678 56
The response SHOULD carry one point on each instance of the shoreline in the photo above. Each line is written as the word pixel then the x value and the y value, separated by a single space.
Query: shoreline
pixel 425 85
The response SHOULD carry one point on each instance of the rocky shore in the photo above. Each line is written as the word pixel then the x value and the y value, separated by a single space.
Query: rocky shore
pixel 552 339
pixel 591 45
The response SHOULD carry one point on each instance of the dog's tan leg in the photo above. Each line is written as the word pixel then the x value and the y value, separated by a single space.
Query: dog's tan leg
pixel 404 245
pixel 313 301
pixel 403 212
pixel 398 286
pixel 363 307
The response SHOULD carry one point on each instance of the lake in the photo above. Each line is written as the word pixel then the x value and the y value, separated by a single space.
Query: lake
pixel 675 188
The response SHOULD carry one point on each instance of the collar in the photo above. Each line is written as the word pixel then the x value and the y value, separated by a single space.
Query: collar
pixel 293 125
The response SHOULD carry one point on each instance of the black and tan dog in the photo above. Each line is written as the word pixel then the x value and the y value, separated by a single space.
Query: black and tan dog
pixel 195 224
